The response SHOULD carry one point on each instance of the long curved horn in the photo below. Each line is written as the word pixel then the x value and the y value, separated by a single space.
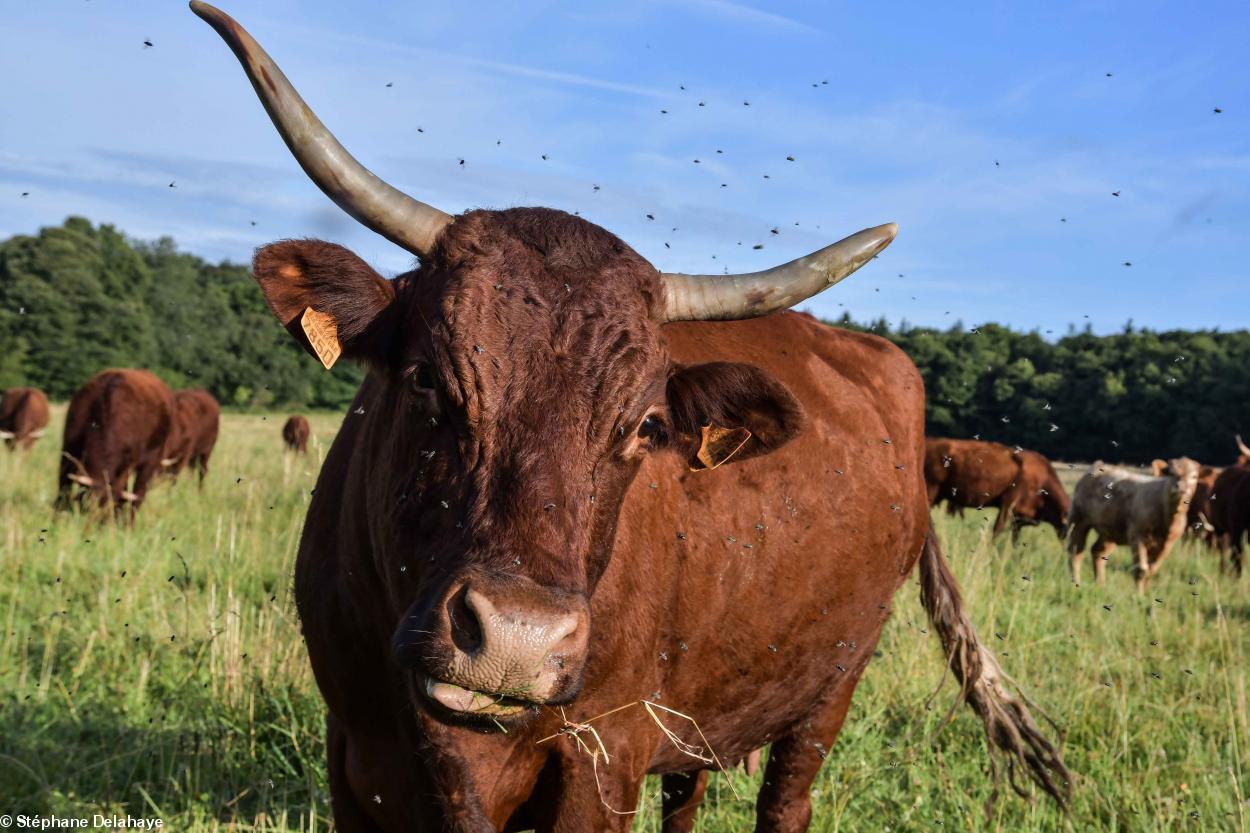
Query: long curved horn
pixel 730 297
pixel 391 213
pixel 1242 446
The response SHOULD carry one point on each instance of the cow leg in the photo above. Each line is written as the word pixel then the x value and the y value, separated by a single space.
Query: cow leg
pixel 1141 568
pixel 200 462
pixel 604 801
pixel 683 793
pixel 1101 553
pixel 784 804
pixel 1236 550
pixel 1076 551
pixel 111 495
pixel 1003 520
pixel 349 815
pixel 143 476
pixel 1223 543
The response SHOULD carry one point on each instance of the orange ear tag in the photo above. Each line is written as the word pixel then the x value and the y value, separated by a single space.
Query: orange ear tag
pixel 720 445
pixel 323 334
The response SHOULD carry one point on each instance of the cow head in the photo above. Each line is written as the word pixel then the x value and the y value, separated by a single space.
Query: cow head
pixel 518 380
pixel 1184 474
pixel 1046 500
pixel 1052 503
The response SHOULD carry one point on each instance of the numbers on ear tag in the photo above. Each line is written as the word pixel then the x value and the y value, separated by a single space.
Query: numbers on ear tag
pixel 720 445
pixel 323 334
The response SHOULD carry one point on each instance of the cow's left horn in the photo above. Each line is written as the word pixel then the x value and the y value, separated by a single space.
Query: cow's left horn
pixel 353 187
pixel 1242 446
pixel 730 297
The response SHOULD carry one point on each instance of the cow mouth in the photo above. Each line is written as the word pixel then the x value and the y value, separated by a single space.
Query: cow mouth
pixel 469 702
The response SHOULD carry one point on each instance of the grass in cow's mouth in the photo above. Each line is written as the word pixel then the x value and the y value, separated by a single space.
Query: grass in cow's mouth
pixel 475 700
pixel 223 729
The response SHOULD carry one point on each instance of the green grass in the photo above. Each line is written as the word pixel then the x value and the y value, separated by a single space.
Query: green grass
pixel 158 671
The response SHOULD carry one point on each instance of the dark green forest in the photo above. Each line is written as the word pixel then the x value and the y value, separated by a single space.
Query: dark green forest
pixel 78 298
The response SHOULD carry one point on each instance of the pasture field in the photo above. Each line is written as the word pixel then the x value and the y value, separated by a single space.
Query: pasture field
pixel 159 671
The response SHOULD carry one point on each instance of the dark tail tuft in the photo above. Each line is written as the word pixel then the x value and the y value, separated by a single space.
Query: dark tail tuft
pixel 1011 733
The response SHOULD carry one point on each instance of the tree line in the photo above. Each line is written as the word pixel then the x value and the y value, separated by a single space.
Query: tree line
pixel 77 298
pixel 1128 397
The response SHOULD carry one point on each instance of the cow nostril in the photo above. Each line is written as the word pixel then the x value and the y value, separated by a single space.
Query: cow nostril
pixel 463 623
pixel 522 633
pixel 566 635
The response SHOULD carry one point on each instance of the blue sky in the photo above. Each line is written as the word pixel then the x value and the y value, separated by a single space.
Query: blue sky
pixel 993 136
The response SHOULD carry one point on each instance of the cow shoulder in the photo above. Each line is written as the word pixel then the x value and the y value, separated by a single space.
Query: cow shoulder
pixel 848 383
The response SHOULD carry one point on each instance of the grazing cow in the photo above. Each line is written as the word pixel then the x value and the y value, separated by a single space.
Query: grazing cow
pixel 1228 506
pixel 117 425
pixel 1021 484
pixel 1198 519
pixel 564 490
pixel 295 434
pixel 197 417
pixel 23 417
pixel 1147 513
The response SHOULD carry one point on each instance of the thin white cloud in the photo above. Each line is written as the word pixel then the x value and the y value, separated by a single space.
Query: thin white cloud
pixel 747 14
pixel 445 60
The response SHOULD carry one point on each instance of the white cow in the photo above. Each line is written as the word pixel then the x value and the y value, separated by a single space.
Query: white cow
pixel 1145 512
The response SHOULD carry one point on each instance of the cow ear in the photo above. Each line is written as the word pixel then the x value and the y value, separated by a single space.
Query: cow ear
pixel 1159 467
pixel 725 412
pixel 331 301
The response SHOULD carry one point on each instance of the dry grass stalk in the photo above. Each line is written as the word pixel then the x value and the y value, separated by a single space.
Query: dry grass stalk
pixel 576 730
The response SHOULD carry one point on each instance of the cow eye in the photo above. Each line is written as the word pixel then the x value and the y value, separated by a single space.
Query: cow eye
pixel 651 428
pixel 423 378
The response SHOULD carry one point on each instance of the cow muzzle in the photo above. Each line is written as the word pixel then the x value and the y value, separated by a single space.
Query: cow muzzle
pixel 497 647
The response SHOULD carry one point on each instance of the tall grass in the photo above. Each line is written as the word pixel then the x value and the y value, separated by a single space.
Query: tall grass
pixel 159 671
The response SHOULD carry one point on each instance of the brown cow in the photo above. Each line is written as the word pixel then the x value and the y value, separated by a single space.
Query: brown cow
pixel 295 434
pixel 197 418
pixel 1021 484
pixel 23 417
pixel 519 528
pixel 1229 509
pixel 1198 522
pixel 116 425
pixel 1148 513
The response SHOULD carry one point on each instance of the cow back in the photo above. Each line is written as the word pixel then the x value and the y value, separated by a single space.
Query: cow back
pixel 971 473
pixel 118 420
pixel 23 411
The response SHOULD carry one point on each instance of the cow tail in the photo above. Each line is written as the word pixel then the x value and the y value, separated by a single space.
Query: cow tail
pixel 1011 733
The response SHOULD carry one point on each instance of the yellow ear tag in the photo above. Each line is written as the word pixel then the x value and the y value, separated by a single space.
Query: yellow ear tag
pixel 323 334
pixel 720 445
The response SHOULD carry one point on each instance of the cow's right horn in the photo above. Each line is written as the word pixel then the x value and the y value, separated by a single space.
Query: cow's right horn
pixel 353 187
pixel 731 297
pixel 1242 446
